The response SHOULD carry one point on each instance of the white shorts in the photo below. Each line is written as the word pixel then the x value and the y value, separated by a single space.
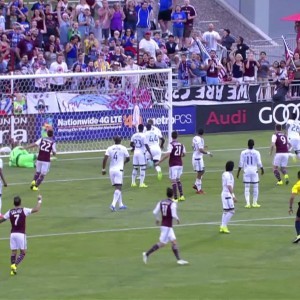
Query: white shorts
pixel 227 201
pixel 281 159
pixel 139 159
pixel 156 153
pixel 166 234
pixel 18 241
pixel 295 143
pixel 251 177
pixel 116 177
pixel 198 164
pixel 42 167
pixel 175 172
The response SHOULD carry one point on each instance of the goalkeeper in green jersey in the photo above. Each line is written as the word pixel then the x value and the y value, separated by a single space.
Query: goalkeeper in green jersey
pixel 21 158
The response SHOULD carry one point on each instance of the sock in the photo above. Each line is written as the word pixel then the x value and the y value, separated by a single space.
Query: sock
pixel 198 184
pixel 39 180
pixel 20 258
pixel 120 200
pixel 297 226
pixel 36 176
pixel 255 192
pixel 174 187
pixel 158 169
pixel 153 249
pixel 116 197
pixel 12 259
pixel 179 185
pixel 283 170
pixel 229 215
pixel 277 175
pixel 224 224
pixel 133 176
pixel 247 193
pixel 0 204
pixel 175 251
pixel 142 174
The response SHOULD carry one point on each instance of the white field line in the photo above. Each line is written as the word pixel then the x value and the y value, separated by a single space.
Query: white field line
pixel 235 223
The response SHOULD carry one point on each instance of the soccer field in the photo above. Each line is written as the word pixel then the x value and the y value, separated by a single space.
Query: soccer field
pixel 79 249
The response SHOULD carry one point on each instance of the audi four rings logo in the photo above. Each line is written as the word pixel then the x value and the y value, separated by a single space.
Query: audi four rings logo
pixel 279 115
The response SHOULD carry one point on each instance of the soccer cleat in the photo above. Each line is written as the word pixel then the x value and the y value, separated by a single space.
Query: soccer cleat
pixel 143 185
pixel 247 206
pixel 145 258
pixel 13 270
pixel 175 200
pixel 286 177
pixel 181 198
pixel 123 207
pixel 224 229
pixel 182 262
pixel 279 182
pixel 133 184
pixel 32 183
pixel 159 175
pixel 194 187
pixel 297 239
pixel 201 192
pixel 112 208
pixel 35 188
pixel 255 205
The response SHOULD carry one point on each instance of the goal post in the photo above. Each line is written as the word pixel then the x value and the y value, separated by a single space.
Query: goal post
pixel 85 109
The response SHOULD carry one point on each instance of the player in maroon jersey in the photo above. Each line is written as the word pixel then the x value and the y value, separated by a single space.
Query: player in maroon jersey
pixel 17 217
pixel 175 152
pixel 168 211
pixel 281 157
pixel 46 147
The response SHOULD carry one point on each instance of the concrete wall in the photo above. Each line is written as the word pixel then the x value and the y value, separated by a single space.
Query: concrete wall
pixel 266 14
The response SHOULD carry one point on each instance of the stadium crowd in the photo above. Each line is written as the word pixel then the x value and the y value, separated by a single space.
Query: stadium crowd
pixel 96 36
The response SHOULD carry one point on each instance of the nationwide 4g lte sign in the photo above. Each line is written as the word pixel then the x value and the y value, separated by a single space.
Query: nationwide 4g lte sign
pixel 244 117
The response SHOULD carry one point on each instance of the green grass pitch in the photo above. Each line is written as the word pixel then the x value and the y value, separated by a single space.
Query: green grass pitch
pixel 78 249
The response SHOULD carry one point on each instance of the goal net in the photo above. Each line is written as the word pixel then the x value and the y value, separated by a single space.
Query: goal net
pixel 84 109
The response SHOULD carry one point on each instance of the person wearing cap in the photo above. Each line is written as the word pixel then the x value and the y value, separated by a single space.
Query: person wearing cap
pixel 143 11
pixel 147 44
pixel 86 23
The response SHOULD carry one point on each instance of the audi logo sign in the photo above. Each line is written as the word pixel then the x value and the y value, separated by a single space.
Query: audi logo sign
pixel 278 114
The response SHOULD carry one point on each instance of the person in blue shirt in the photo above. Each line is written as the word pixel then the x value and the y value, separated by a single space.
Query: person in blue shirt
pixel 178 19
pixel 143 19
pixel 164 16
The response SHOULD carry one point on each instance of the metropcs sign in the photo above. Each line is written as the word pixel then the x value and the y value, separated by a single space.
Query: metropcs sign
pixel 279 113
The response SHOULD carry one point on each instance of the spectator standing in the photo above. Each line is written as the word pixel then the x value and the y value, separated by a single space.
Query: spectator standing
pixel 143 19
pixel 86 23
pixel 281 90
pixel 91 48
pixel 25 47
pixel 58 67
pixel 4 47
pixel 80 61
pixel 227 40
pixel 80 8
pixel 128 43
pixel 74 30
pixel 178 18
pixel 3 65
pixel 297 50
pixel 38 33
pixel 211 38
pixel 194 43
pixel 117 17
pixel 104 19
pixel 22 9
pixel 241 48
pixel 183 71
pixel 238 68
pixel 72 51
pixel 147 44
pixel 130 16
pixel 2 20
pixel 42 84
pixel 64 22
pixel 51 26
pixel 212 67
pixel 250 64
pixel 171 46
pixel 50 55
pixel 191 14
pixel 164 16
pixel 263 72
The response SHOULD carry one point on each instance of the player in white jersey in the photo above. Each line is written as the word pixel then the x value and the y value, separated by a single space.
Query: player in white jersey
pixel 250 160
pixel 197 160
pixel 139 148
pixel 119 156
pixel 292 128
pixel 2 181
pixel 153 138
pixel 227 196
